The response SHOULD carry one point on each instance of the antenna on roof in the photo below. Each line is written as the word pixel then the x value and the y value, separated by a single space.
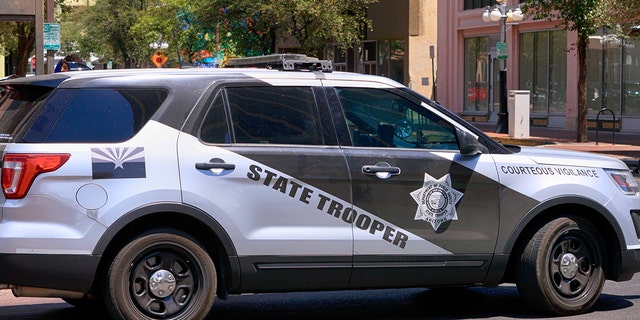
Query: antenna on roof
pixel 287 62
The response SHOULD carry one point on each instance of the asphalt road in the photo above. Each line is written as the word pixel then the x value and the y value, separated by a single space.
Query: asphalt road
pixel 619 301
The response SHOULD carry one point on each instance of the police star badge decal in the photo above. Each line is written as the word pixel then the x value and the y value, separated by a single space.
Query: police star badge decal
pixel 436 200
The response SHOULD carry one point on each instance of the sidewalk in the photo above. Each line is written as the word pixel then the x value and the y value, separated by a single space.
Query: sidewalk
pixel 626 146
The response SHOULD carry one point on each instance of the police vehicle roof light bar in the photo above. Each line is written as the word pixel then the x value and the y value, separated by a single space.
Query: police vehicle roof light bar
pixel 287 62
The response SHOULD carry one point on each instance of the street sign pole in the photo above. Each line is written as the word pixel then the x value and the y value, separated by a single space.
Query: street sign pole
pixel 39 15
pixel 55 37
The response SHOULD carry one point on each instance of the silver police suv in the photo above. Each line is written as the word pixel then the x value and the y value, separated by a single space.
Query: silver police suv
pixel 154 192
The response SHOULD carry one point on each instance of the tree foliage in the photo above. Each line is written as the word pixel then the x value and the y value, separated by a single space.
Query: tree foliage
pixel 585 17
pixel 131 30
pixel 111 25
pixel 255 26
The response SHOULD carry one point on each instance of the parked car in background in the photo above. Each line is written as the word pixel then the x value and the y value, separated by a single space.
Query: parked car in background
pixel 78 66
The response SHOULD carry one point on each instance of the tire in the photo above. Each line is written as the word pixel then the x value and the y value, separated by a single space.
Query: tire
pixel 561 270
pixel 160 275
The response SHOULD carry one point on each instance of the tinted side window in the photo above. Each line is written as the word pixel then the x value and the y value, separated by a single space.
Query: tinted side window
pixel 379 118
pixel 17 105
pixel 280 115
pixel 214 127
pixel 103 115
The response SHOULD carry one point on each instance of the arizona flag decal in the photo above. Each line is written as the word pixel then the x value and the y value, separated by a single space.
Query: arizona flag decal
pixel 118 163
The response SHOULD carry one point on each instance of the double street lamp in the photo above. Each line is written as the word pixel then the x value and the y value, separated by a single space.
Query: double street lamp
pixel 503 14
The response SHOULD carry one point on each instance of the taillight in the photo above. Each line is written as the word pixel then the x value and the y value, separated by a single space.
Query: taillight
pixel 20 169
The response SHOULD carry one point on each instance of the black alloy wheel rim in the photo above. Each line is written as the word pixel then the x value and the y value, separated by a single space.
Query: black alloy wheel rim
pixel 163 282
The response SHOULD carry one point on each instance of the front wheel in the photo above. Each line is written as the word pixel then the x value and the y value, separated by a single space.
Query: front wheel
pixel 561 269
pixel 161 275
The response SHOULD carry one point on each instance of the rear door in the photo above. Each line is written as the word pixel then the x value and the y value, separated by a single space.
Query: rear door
pixel 265 164
pixel 423 213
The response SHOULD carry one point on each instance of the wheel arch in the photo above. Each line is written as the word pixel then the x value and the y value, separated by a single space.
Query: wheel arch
pixel 597 214
pixel 177 216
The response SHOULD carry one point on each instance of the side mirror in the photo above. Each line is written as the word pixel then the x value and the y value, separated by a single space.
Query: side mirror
pixel 469 145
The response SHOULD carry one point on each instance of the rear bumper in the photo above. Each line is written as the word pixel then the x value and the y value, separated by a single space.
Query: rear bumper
pixel 62 272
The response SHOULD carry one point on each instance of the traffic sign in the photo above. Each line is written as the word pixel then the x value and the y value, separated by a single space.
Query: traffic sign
pixel 502 49
pixel 159 59
pixel 51 36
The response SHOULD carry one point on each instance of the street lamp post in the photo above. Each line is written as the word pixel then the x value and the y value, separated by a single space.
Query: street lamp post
pixel 502 14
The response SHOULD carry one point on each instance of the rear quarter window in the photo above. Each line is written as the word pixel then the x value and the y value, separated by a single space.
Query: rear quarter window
pixel 95 115
pixel 16 105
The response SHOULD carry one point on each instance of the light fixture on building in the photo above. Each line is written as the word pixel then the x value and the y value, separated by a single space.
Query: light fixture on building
pixel 501 13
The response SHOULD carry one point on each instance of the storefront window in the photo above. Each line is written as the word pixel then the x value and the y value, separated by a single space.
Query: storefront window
pixel 338 57
pixel 476 76
pixel 604 73
pixel 391 59
pixel 475 4
pixel 377 57
pixel 613 76
pixel 543 70
pixel 631 76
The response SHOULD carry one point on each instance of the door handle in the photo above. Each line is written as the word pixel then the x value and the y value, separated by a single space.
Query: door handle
pixel 215 164
pixel 209 166
pixel 381 170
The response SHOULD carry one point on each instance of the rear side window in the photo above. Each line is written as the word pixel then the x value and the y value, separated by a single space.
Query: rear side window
pixel 266 115
pixel 95 115
pixel 16 106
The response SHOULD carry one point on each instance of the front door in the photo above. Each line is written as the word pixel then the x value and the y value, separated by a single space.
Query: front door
pixel 424 213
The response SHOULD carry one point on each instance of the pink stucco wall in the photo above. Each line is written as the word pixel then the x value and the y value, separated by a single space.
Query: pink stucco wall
pixel 455 24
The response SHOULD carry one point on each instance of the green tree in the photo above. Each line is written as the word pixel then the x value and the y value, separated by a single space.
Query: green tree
pixel 178 25
pixel 75 36
pixel 255 26
pixel 127 30
pixel 110 26
pixel 585 17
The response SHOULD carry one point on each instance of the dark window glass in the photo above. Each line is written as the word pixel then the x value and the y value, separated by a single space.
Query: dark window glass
pixel 17 104
pixel 214 127
pixel 104 115
pixel 280 115
pixel 379 118
pixel 477 75
pixel 475 4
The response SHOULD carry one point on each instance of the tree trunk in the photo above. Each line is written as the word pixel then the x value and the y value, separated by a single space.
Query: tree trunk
pixel 26 41
pixel 582 89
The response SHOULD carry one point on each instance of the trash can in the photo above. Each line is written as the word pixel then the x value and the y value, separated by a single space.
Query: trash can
pixel 518 109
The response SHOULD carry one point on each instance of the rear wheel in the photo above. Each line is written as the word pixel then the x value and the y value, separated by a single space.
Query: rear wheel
pixel 561 269
pixel 161 275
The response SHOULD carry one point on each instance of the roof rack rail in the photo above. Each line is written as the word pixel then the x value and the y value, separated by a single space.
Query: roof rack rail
pixel 287 62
